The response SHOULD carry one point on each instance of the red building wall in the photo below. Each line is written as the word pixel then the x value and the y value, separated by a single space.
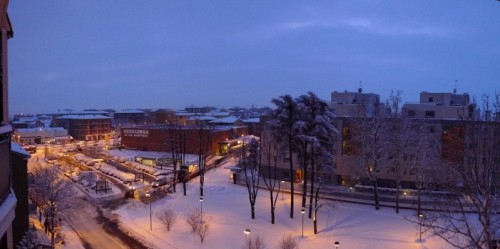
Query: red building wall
pixel 156 138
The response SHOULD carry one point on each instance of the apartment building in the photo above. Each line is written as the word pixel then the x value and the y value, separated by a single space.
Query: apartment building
pixel 8 199
pixel 90 127
pixel 451 106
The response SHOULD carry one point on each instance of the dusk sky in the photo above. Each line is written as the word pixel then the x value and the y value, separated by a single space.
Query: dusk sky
pixel 173 54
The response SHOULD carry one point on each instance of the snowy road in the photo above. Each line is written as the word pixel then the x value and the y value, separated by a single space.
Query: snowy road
pixel 90 232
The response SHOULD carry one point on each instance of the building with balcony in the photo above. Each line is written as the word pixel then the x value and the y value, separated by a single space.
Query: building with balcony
pixel 86 127
pixel 8 200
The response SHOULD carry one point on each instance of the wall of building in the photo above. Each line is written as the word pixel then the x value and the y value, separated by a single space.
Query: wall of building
pixel 155 138
pixel 20 186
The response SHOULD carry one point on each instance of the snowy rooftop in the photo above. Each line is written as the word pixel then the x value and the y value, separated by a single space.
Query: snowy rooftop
pixel 226 120
pixel 16 148
pixel 252 120
pixel 21 130
pixel 88 116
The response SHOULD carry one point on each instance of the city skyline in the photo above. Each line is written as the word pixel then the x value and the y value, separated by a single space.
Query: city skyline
pixel 159 54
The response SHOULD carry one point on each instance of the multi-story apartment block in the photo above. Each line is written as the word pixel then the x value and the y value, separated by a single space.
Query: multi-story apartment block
pixel 354 104
pixel 7 196
pixel 440 106
pixel 442 114
pixel 129 118
pixel 86 127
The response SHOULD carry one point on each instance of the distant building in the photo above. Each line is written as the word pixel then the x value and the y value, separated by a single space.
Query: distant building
pixel 354 104
pixel 254 127
pixel 227 121
pixel 86 127
pixel 129 118
pixel 441 106
pixel 52 135
pixel 162 116
pixel 159 137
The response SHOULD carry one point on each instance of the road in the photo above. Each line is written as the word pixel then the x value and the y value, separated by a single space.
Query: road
pixel 85 216
pixel 92 234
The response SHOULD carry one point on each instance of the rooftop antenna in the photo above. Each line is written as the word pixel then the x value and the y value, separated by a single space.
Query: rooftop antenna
pixel 455 89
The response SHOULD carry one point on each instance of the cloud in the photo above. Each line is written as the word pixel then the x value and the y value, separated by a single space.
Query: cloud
pixel 396 29
pixel 358 24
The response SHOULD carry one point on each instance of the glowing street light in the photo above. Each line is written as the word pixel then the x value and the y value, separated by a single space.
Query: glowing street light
pixel 283 191
pixel 303 211
pixel 201 206
pixel 150 213
pixel 420 217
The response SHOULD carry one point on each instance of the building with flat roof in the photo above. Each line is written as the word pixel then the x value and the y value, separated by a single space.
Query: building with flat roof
pixel 162 137
pixel 451 106
pixel 354 104
pixel 86 127
pixel 42 135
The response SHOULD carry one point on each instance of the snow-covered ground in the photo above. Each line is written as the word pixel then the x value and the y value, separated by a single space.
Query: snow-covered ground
pixel 354 226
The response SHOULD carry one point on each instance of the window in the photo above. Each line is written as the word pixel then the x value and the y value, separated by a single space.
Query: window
pixel 431 99
pixel 411 113
pixel 429 114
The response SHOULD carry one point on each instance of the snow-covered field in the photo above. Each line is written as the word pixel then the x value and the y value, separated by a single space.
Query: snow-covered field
pixel 353 226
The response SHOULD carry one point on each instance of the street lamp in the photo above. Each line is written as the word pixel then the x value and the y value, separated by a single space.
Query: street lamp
pixel 52 214
pixel 420 217
pixel 247 233
pixel 303 211
pixel 283 191
pixel 201 205
pixel 150 213
pixel 337 244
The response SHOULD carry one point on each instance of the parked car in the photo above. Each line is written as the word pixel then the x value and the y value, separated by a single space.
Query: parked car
pixel 159 181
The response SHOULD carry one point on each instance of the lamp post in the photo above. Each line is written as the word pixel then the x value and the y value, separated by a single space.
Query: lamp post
pixel 283 191
pixel 150 213
pixel 336 244
pixel 248 241
pixel 201 206
pixel 303 211
pixel 52 214
pixel 420 216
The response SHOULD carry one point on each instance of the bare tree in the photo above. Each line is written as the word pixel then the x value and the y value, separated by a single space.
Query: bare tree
pixel 51 192
pixel 468 217
pixel 370 132
pixel 270 170
pixel 254 243
pixel 251 161
pixel 288 242
pixel 204 146
pixel 175 142
pixel 193 218
pixel 168 217
pixel 204 228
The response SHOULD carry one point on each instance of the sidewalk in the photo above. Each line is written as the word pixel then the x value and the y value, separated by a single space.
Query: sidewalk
pixel 351 195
